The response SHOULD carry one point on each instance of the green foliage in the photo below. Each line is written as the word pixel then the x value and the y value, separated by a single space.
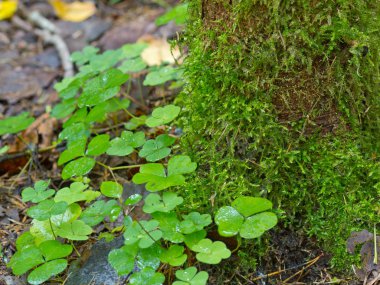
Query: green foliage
pixel 211 252
pixel 189 276
pixel 12 125
pixel 177 14
pixel 38 193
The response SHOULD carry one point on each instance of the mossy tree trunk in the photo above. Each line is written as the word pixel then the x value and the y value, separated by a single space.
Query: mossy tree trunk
pixel 283 101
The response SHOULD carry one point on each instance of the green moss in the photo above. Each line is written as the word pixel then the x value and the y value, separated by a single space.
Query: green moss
pixel 282 101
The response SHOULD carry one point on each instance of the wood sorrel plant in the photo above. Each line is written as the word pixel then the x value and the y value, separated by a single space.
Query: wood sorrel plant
pixel 67 216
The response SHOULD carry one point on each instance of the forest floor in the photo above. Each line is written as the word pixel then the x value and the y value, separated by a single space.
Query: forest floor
pixel 29 68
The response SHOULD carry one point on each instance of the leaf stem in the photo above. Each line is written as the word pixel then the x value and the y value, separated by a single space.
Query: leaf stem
pixel 51 227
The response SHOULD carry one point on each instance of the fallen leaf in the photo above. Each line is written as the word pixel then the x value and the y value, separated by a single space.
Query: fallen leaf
pixel 73 12
pixel 7 9
pixel 158 51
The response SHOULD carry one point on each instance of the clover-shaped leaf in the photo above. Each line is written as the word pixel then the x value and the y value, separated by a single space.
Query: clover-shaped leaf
pixel 189 276
pixel 135 122
pixel 99 112
pixel 146 233
pixel 211 252
pixel 96 213
pixel 98 145
pixel 162 75
pixel 154 202
pixel 12 125
pixel 24 240
pixel 133 65
pixel 126 144
pixel 247 206
pixel 75 132
pixel 111 189
pixel 123 259
pixel 76 230
pixel 78 167
pixel 147 276
pixel 192 239
pixel 153 174
pixel 194 222
pixel 38 193
pixel 229 221
pixel 46 271
pixel 132 50
pixel 74 149
pixel 169 225
pixel 47 208
pixel 149 257
pixel 245 217
pixel 53 249
pixel 174 255
pixel 87 54
pixel 163 115
pixel 102 87
pixel 76 193
pixel 133 199
pixel 180 164
pixel 256 225
pixel 157 149
pixel 25 259
pixel 72 213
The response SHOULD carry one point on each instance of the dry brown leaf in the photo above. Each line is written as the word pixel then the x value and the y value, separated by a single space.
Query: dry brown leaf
pixel 73 12
pixel 158 51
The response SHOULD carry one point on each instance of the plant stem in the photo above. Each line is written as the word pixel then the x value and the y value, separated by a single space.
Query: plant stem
pixel 51 227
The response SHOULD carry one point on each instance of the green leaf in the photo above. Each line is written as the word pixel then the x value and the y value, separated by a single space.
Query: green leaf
pixel 123 259
pixel 135 122
pixel 76 193
pixel 64 108
pixel 102 87
pixel 211 252
pixel 147 276
pixel 78 117
pixel 25 259
pixel 126 143
pixel 4 149
pixel 149 257
pixel 133 50
pixel 78 167
pixel 24 240
pixel 153 174
pixel 166 203
pixel 75 149
pixel 111 189
pixel 98 145
pixel 46 271
pixel 194 222
pixel 169 225
pixel 157 149
pixel 104 61
pixel 180 164
pixel 45 209
pixel 108 237
pixel 191 277
pixel 248 206
pixel 256 225
pixel 75 132
pixel 146 233
pixel 163 115
pixel 52 249
pixel 84 56
pixel 162 75
pixel 38 193
pixel 229 221
pixel 99 112
pixel 192 239
pixel 96 213
pixel 133 199
pixel 178 14
pixel 133 65
pixel 174 255
pixel 42 230
pixel 12 125
pixel 76 230
pixel 71 214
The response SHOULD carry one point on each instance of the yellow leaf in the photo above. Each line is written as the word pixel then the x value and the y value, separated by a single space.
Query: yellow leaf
pixel 7 9
pixel 158 51
pixel 73 12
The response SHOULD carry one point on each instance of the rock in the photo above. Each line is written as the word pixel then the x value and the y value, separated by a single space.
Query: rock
pixel 95 269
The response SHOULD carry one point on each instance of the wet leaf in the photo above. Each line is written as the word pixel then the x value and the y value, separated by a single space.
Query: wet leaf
pixel 78 167
pixel 74 11
pixel 147 276
pixel 189 276
pixel 52 249
pixel 75 149
pixel 162 75
pixel 26 259
pixel 194 222
pixel 174 255
pixel 157 149
pixel 211 252
pixel 229 221
pixel 248 206
pixel 98 145
pixel 180 164
pixel 133 199
pixel 255 226
pixel 192 239
pixel 123 259
pixel 46 271
pixel 76 193
pixel 132 65
pixel 163 115
pixel 135 122
pixel 96 213
pixel 169 225
pixel 126 144
pixel 146 233
pixel 45 209
pixel 76 230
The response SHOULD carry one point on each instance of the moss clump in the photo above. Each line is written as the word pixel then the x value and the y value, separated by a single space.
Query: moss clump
pixel 283 101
